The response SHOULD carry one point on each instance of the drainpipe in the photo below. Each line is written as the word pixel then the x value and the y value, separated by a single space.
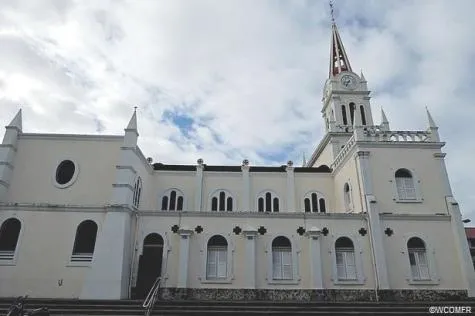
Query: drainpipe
pixel 366 218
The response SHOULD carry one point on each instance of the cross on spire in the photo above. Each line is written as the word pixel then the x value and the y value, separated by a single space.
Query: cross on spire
pixel 332 12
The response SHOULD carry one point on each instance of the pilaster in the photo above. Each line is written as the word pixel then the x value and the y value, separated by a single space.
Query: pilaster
pixel 185 235
pixel 251 236
pixel 291 207
pixel 246 186
pixel 375 230
pixel 445 176
pixel 315 257
pixel 199 185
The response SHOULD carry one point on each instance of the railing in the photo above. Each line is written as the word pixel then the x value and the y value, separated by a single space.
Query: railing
pixel 341 155
pixel 376 134
pixel 152 296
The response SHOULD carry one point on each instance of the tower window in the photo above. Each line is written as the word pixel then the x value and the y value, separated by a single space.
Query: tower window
pixel 352 113
pixel 363 117
pixel 343 113
pixel 347 196
pixel 405 185
pixel 137 192
pixel 418 259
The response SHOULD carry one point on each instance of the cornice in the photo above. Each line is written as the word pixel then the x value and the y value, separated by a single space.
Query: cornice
pixel 48 207
pixel 293 215
pixel 71 137
pixel 415 217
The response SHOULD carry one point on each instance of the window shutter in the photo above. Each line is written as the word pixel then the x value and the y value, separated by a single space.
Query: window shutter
pixel 400 188
pixel 340 266
pixel 222 263
pixel 350 265
pixel 287 265
pixel 276 264
pixel 211 268
pixel 423 266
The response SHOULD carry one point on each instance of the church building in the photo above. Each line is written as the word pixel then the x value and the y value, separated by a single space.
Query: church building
pixel 370 215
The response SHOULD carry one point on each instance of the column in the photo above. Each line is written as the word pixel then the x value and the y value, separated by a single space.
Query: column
pixel 291 207
pixel 246 186
pixel 315 258
pixel 251 236
pixel 375 231
pixel 185 235
pixel 199 186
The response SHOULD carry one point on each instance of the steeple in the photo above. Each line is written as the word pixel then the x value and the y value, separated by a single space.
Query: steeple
pixel 338 59
pixel 433 128
pixel 131 132
pixel 384 121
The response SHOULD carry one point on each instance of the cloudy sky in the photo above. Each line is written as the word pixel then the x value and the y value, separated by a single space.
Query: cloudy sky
pixel 229 80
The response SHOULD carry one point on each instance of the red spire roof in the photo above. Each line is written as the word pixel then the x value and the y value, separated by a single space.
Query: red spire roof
pixel 338 59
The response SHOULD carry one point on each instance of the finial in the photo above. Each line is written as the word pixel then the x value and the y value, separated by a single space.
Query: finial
pixel 135 108
pixel 430 119
pixel 332 12
pixel 304 161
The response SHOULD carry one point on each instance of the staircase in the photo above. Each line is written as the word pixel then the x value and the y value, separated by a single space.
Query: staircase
pixel 226 308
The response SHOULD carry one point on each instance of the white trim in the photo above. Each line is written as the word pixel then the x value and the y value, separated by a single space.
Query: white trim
pixel 13 261
pixel 74 177
pixel 416 181
pixel 430 254
pixel 360 277
pixel 71 137
pixel 204 239
pixel 227 193
pixel 167 193
pixel 296 278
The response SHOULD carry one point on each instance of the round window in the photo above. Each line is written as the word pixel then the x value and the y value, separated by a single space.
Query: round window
pixel 65 172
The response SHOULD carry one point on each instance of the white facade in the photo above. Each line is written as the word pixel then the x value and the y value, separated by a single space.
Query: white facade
pixel 378 215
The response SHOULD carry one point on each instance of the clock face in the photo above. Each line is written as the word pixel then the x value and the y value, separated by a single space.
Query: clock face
pixel 348 82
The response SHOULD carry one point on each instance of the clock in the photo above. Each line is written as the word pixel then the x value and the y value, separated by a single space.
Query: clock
pixel 348 81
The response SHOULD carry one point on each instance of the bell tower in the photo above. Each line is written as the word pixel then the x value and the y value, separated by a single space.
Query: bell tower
pixel 345 92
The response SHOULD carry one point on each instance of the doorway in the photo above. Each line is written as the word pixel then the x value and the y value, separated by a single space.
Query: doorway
pixel 150 265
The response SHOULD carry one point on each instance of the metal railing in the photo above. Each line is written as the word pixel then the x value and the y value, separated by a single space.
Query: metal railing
pixel 152 296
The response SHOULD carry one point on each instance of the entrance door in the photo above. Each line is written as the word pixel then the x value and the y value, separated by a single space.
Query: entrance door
pixel 150 265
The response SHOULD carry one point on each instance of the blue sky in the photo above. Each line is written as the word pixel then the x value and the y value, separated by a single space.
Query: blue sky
pixel 233 80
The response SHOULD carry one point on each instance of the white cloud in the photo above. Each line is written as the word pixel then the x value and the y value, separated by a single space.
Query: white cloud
pixel 250 72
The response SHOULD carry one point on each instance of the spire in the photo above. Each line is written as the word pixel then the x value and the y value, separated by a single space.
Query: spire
pixel 304 161
pixel 131 133
pixel 431 120
pixel 17 121
pixel 133 121
pixel 362 76
pixel 384 121
pixel 434 130
pixel 338 59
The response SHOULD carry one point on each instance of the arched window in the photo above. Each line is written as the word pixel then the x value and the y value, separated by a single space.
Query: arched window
pixel 363 117
pixel 405 185
pixel 418 259
pixel 281 258
pixel 137 192
pixel 85 241
pixel 172 200
pixel 345 259
pixel 9 235
pixel 221 201
pixel 352 112
pixel 268 202
pixel 343 113
pixel 314 202
pixel 217 259
pixel 347 196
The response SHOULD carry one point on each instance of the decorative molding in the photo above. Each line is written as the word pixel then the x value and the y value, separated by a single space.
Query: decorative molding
pixel 73 178
pixel 49 207
pixel 9 146
pixel 440 155
pixel 4 183
pixel 131 168
pixel 415 217
pixel 80 137
pixel 7 164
